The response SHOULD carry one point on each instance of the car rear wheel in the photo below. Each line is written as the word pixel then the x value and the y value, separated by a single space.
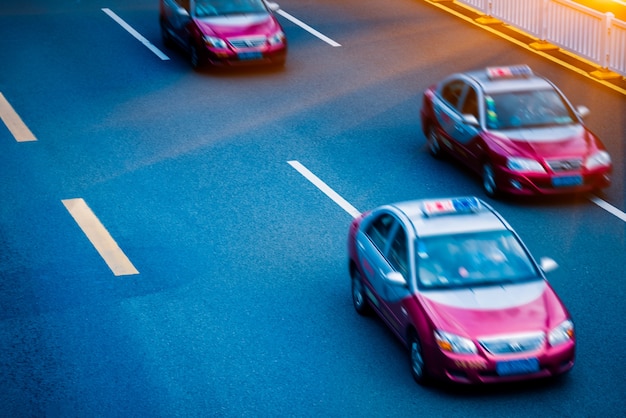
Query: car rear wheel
pixel 418 366
pixel 489 180
pixel 361 305
pixel 434 145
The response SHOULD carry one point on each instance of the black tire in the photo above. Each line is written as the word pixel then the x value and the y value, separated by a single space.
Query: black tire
pixel 359 299
pixel 416 360
pixel 167 39
pixel 489 180
pixel 434 144
pixel 195 57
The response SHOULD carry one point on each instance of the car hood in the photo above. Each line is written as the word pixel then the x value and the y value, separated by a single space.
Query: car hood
pixel 238 25
pixel 548 142
pixel 495 310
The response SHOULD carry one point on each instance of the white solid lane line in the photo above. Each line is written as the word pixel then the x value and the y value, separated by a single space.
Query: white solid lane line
pixel 11 119
pixel 324 188
pixel 100 238
pixel 136 34
pixel 308 28
pixel 609 208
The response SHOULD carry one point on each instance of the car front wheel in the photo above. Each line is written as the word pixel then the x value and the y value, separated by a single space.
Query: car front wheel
pixel 358 294
pixel 418 366
pixel 167 38
pixel 489 180
pixel 434 145
pixel 194 56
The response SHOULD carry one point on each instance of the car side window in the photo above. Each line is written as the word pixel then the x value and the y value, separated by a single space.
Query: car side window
pixel 398 253
pixel 451 92
pixel 470 105
pixel 378 231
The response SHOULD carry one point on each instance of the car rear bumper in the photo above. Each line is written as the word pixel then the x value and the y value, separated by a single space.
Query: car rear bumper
pixel 476 369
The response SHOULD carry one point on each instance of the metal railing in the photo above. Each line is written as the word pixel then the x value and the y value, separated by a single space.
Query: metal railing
pixel 597 37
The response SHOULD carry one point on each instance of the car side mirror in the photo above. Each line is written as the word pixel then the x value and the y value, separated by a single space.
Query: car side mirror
pixel 272 6
pixel 395 278
pixel 470 120
pixel 583 111
pixel 547 264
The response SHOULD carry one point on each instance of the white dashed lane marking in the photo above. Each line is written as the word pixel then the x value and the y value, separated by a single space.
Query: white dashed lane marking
pixel 308 28
pixel 324 188
pixel 609 208
pixel 136 34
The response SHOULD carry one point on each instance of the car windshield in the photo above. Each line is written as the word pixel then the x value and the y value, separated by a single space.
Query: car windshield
pixel 207 8
pixel 527 109
pixel 473 259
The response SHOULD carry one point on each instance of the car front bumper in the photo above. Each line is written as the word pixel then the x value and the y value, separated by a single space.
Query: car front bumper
pixel 516 183
pixel 227 58
pixel 476 369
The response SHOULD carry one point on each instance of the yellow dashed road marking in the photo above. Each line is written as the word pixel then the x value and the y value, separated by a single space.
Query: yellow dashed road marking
pixel 12 120
pixel 100 237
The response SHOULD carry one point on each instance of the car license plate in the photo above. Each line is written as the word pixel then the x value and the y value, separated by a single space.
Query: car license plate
pixel 566 181
pixel 522 366
pixel 250 55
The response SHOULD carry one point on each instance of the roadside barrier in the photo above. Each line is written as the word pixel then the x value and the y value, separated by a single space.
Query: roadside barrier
pixel 597 37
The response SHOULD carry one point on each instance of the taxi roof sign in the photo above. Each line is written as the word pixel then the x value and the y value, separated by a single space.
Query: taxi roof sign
pixel 514 71
pixel 451 206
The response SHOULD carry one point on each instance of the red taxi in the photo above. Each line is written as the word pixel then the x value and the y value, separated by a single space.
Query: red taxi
pixel 515 129
pixel 454 282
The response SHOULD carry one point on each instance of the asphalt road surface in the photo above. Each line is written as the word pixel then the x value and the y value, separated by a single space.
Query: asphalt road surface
pixel 225 291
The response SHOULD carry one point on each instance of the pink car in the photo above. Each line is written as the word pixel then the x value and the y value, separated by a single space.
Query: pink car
pixel 454 282
pixel 516 130
pixel 224 32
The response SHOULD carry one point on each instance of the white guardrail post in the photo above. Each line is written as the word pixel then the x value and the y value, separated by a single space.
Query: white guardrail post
pixel 606 52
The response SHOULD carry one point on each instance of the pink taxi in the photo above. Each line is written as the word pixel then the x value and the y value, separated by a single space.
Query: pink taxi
pixel 224 32
pixel 455 283
pixel 516 130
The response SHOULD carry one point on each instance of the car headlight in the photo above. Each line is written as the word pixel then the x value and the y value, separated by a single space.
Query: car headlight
pixel 214 42
pixel 599 159
pixel 277 38
pixel 454 343
pixel 561 334
pixel 524 164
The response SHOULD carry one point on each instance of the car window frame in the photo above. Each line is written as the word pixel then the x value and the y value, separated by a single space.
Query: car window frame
pixel 445 85
pixel 384 240
pixel 461 108
pixel 404 270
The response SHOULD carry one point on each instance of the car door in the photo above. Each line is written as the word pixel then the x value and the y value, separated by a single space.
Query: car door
pixel 177 15
pixel 456 97
pixel 372 242
pixel 466 132
pixel 397 254
pixel 444 108
pixel 383 254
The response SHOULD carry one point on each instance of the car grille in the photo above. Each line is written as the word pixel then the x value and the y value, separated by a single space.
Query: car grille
pixel 242 43
pixel 566 164
pixel 513 344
